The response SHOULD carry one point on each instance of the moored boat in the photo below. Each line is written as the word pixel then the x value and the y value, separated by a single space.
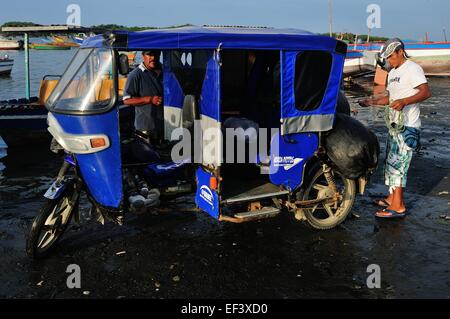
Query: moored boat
pixel 23 120
pixel 48 46
pixel 65 41
pixel 359 62
pixel 79 39
pixel 433 57
pixel 6 65
pixel 7 44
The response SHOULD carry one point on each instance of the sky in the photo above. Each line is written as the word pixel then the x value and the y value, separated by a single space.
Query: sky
pixel 401 18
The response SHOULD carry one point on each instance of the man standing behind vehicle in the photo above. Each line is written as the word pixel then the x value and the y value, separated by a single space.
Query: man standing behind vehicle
pixel 144 90
pixel 407 86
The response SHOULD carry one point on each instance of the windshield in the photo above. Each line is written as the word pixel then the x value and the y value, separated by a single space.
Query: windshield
pixel 87 85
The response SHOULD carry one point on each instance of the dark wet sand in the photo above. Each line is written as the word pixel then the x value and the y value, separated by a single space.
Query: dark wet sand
pixel 275 258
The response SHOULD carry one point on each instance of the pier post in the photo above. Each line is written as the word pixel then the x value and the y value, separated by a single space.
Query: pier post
pixel 27 67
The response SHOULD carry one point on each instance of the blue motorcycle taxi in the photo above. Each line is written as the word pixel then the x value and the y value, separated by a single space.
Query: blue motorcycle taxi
pixel 280 87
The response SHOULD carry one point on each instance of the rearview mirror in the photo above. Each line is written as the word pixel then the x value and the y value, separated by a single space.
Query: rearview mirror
pixel 124 67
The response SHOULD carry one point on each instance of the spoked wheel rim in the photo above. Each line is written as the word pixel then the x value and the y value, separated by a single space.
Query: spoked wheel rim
pixel 329 214
pixel 55 224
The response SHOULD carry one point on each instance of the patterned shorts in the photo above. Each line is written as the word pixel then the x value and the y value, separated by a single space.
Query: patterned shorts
pixel 398 158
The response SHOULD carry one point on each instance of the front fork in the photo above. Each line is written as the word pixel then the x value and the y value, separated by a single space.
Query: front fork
pixel 62 182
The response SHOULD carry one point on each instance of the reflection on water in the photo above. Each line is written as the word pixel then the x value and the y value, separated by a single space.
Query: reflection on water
pixel 13 87
pixel 41 63
pixel 3 153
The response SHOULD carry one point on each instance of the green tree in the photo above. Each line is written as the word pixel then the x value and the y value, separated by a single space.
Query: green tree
pixel 19 24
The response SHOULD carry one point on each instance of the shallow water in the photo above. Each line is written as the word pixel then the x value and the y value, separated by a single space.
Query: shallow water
pixel 42 63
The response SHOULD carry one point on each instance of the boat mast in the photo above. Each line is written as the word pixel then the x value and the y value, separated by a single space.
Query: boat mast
pixel 331 18
pixel 27 66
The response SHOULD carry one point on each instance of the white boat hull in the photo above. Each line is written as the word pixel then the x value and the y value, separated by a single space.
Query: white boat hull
pixel 9 45
pixel 359 65
pixel 6 66
pixel 434 60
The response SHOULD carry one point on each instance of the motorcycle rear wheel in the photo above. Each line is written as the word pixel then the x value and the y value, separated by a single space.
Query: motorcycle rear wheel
pixel 327 216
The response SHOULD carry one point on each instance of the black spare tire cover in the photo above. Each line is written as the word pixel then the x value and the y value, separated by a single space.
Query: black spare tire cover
pixel 352 147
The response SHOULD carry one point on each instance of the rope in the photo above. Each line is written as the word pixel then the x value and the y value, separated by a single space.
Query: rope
pixel 393 129
pixel 399 124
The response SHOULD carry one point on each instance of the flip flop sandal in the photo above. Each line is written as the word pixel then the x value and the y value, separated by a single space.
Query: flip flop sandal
pixel 389 213
pixel 381 202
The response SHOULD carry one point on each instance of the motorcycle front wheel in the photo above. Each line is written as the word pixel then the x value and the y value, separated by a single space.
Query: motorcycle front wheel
pixel 51 222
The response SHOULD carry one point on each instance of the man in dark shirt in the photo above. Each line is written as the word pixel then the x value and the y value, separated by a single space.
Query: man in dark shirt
pixel 144 91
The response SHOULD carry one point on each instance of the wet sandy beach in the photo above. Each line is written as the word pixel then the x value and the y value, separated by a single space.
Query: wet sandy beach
pixel 187 255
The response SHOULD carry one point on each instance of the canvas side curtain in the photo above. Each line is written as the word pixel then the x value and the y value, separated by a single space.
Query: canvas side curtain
pixel 310 87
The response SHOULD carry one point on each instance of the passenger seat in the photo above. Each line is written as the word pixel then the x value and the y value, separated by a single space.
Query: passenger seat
pixel 47 87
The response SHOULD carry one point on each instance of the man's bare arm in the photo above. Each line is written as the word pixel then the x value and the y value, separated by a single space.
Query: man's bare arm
pixel 423 94
pixel 375 101
pixel 139 101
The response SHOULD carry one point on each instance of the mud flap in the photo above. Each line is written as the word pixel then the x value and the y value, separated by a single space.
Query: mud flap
pixel 206 198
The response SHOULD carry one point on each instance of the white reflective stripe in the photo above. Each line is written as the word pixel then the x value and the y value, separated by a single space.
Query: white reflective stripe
pixel 212 141
pixel 172 120
pixel 22 117
pixel 126 97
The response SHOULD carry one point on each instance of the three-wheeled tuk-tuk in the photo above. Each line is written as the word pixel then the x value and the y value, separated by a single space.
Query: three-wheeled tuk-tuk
pixel 246 112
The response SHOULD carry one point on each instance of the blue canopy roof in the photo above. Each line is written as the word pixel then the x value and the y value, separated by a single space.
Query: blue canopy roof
pixel 195 37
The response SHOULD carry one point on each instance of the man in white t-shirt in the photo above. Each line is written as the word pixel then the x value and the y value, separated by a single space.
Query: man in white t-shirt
pixel 407 86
